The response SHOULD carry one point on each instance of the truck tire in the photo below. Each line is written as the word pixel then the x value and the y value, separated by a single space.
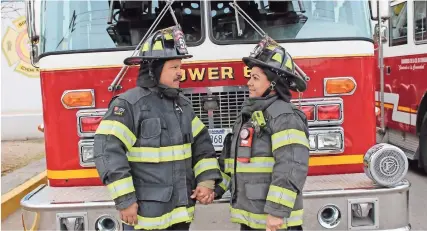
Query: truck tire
pixel 423 144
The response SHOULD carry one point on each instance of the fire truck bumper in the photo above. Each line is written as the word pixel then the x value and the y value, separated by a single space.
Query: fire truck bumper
pixel 334 202
pixel 352 202
pixel 69 208
pixel 355 202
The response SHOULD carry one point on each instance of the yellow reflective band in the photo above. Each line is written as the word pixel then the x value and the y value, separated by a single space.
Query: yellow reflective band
pixel 121 187
pixel 287 137
pixel 228 165
pixel 158 46
pixel 281 196
pixel 296 218
pixel 205 165
pixel 168 36
pixel 277 57
pixel 117 129
pixel 157 155
pixel 145 47
pixel 196 126
pixel 288 63
pixel 255 165
pixel 178 215
pixel 225 183
pixel 258 221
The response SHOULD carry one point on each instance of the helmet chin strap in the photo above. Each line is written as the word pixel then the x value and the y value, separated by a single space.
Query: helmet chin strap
pixel 271 88
pixel 151 73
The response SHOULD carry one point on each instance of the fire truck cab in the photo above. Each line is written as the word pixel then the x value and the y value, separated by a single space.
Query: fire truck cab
pixel 404 123
pixel 80 46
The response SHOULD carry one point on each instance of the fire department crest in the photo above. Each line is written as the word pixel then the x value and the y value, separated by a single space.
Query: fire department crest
pixel 15 47
pixel 179 40
pixel 258 49
pixel 266 42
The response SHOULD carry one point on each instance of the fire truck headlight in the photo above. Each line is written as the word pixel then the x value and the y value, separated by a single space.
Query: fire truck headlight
pixel 86 153
pixel 312 141
pixel 329 141
pixel 385 164
pixel 326 140
pixel 329 216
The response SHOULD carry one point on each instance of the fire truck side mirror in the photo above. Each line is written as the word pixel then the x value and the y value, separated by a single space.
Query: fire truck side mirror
pixel 32 12
pixel 381 33
pixel 381 7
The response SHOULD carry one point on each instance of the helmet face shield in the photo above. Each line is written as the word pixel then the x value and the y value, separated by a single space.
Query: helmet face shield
pixel 165 44
pixel 269 54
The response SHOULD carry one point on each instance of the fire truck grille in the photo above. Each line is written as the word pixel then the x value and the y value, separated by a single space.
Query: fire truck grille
pixel 230 104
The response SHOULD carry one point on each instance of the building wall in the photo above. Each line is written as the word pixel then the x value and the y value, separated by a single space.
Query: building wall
pixel 21 104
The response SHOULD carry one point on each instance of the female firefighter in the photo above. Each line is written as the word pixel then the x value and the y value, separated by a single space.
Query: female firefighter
pixel 264 162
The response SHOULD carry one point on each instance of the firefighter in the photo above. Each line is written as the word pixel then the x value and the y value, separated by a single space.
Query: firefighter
pixel 151 150
pixel 264 162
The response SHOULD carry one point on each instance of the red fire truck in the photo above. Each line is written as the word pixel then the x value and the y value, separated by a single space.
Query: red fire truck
pixel 404 123
pixel 80 46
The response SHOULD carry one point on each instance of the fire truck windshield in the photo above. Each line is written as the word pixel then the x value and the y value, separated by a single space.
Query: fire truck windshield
pixel 83 24
pixel 76 25
pixel 284 20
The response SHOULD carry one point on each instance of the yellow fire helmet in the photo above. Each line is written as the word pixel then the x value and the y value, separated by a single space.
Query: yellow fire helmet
pixel 165 44
pixel 269 54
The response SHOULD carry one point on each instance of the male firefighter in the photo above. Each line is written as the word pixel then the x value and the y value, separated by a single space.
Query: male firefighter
pixel 151 150
pixel 266 156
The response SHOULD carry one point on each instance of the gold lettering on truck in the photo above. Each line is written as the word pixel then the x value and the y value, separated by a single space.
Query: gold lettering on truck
pixel 183 75
pixel 247 72
pixel 227 72
pixel 196 74
pixel 213 73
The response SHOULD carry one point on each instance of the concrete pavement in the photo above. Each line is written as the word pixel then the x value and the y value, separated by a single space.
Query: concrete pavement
pixel 19 176
pixel 216 216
